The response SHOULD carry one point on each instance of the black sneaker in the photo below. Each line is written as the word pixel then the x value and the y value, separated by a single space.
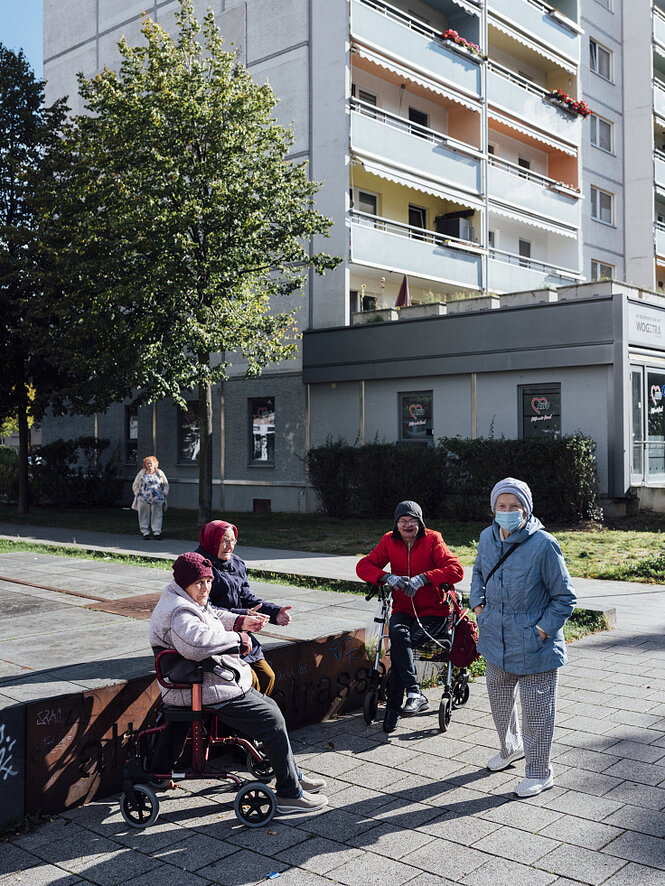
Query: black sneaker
pixel 415 704
pixel 390 720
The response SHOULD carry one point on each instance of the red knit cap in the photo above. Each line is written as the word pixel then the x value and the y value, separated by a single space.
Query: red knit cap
pixel 189 568
pixel 210 536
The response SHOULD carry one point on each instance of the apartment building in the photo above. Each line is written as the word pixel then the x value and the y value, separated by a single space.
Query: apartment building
pixel 458 154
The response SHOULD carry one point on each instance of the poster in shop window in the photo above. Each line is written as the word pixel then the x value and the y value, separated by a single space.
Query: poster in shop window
pixel 541 412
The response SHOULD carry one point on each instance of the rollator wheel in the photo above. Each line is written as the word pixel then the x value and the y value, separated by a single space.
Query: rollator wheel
pixel 460 694
pixel 260 769
pixel 255 804
pixel 142 813
pixel 444 713
pixel 370 705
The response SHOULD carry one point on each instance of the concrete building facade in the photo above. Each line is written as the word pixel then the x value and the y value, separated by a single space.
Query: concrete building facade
pixel 454 153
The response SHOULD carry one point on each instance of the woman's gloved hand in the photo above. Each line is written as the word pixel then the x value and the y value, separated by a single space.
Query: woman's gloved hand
pixel 395 582
pixel 414 584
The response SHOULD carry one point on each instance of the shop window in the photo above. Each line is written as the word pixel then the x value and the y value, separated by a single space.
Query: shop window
pixel 540 407
pixel 601 271
pixel 189 433
pixel 131 434
pixel 601 133
pixel 416 420
pixel 600 60
pixel 262 431
pixel 602 206
pixel 655 424
pixel 637 429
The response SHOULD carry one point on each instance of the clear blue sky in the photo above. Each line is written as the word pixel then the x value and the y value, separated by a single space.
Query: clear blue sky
pixel 21 27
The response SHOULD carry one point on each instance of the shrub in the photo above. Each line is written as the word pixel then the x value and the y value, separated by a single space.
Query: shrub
pixel 58 477
pixel 561 472
pixel 8 456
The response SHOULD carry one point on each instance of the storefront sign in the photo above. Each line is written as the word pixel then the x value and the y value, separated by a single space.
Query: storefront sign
pixel 646 325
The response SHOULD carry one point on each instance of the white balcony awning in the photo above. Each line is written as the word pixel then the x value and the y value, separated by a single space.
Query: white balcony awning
pixel 533 133
pixel 659 48
pixel 412 76
pixel 410 179
pixel 528 219
pixel 567 64
pixel 467 7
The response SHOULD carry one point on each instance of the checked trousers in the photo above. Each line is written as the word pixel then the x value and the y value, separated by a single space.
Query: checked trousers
pixel 538 700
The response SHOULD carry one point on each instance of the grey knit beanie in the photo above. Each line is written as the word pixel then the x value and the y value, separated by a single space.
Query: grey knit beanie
pixel 408 509
pixel 515 487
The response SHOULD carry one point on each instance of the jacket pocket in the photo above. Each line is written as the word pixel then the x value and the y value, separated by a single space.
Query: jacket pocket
pixel 533 642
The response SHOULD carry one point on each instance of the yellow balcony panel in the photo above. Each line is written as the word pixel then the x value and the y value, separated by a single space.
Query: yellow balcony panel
pixel 382 28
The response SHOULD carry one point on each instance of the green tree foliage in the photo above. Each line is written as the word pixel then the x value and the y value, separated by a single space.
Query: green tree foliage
pixel 28 131
pixel 175 225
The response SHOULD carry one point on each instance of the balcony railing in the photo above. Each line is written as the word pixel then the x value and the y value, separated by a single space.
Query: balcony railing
pixel 659 168
pixel 382 243
pixel 541 21
pixel 511 92
pixel 508 272
pixel 512 184
pixel 659 97
pixel 659 26
pixel 659 236
pixel 379 25
pixel 414 147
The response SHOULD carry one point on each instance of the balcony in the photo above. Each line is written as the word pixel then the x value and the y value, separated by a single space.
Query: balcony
pixel 508 272
pixel 511 184
pixel 659 167
pixel 659 98
pixel 410 146
pixel 659 235
pixel 380 243
pixel 510 92
pixel 659 27
pixel 392 32
pixel 537 20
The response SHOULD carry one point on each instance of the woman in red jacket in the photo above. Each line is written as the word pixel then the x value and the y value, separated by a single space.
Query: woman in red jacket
pixel 420 562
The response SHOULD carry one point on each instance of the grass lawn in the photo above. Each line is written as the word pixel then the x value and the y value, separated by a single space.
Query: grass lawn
pixel 630 549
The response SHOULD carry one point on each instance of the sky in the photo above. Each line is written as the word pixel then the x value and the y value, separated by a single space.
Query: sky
pixel 21 28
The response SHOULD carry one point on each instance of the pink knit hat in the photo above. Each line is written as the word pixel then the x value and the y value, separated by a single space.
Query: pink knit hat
pixel 190 567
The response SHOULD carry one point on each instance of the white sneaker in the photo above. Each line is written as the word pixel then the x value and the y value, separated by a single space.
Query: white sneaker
pixel 311 784
pixel 497 762
pixel 530 787
pixel 303 804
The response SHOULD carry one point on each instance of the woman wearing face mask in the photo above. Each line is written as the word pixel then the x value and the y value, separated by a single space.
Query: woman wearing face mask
pixel 522 595
pixel 230 590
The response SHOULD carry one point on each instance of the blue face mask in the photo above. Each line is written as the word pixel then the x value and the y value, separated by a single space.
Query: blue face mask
pixel 509 520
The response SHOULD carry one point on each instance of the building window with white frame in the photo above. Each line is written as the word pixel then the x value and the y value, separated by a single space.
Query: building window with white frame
pixel 189 433
pixel 600 60
pixel 602 206
pixel 262 431
pixel 601 270
pixel 606 3
pixel 601 133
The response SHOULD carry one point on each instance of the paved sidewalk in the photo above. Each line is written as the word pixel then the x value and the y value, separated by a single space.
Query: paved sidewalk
pixel 419 807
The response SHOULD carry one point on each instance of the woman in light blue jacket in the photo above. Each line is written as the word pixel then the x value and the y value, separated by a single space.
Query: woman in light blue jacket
pixel 522 595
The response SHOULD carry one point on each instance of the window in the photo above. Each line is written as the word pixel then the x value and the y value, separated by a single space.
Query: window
pixel 524 252
pixel 491 150
pixel 602 206
pixel 189 433
pixel 523 163
pixel 540 408
pixel 416 417
pixel 131 434
pixel 367 202
pixel 262 431
pixel 367 97
pixel 417 218
pixel 419 118
pixel 601 271
pixel 600 60
pixel 602 132
pixel 637 420
pixel 655 424
pixel 491 239
pixel 606 3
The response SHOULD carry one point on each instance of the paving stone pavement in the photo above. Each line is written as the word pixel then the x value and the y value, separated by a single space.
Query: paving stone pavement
pixel 419 807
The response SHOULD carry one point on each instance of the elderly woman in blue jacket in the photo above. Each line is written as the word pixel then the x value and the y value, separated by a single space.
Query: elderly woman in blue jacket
pixel 522 595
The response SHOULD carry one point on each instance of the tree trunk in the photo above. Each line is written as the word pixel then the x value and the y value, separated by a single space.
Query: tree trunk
pixel 23 447
pixel 205 451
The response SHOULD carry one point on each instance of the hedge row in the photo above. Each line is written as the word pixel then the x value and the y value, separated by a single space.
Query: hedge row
pixel 454 479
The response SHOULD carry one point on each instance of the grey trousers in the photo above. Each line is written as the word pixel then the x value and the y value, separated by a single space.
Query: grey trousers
pixel 150 516
pixel 538 700
pixel 260 718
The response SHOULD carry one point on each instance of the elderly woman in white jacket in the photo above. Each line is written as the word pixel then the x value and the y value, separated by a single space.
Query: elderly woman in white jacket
pixel 150 488
pixel 184 620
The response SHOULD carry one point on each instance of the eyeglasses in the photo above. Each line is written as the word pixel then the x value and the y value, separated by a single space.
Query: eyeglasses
pixel 407 522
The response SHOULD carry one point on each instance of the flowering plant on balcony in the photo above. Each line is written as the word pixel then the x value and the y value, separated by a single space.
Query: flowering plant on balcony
pixel 454 37
pixel 574 105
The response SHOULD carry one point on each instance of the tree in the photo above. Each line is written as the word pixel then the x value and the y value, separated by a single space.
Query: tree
pixel 176 223
pixel 28 132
